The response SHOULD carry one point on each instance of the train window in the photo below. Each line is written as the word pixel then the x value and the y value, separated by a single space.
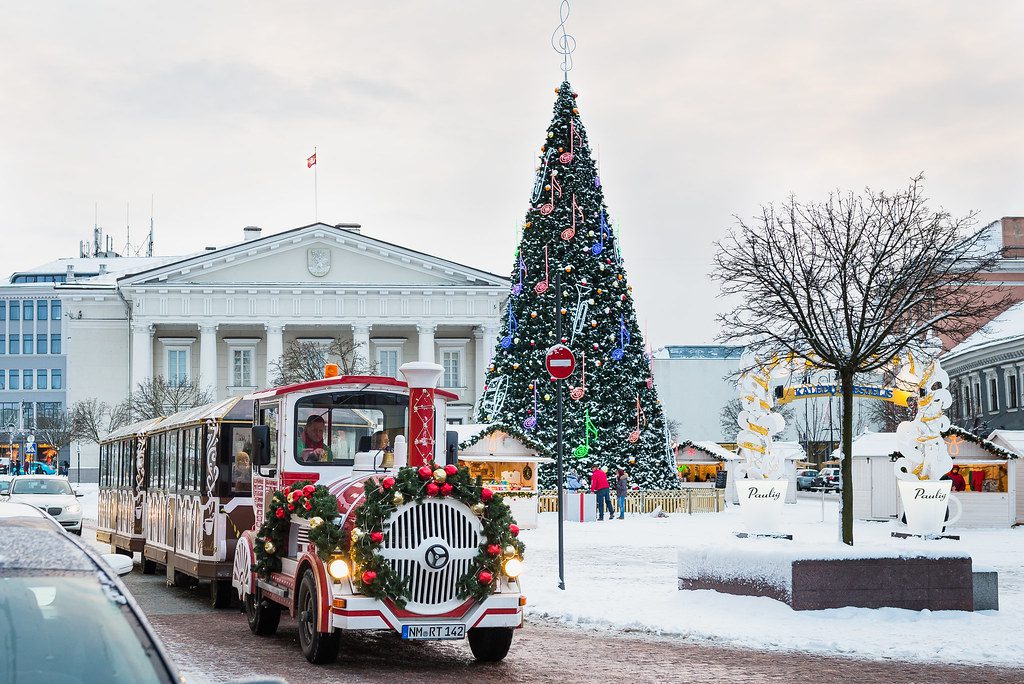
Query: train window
pixel 338 425
pixel 241 461
pixel 268 417
pixel 198 452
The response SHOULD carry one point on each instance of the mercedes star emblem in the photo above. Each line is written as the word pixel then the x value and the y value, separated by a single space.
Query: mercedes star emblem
pixel 436 557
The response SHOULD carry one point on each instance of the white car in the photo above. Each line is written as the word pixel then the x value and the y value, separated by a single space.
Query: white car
pixel 49 493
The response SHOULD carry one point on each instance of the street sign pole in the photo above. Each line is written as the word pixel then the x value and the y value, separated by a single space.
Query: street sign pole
pixel 558 460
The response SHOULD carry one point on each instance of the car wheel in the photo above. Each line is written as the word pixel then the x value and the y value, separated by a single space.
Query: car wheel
pixel 263 615
pixel 78 531
pixel 318 647
pixel 490 644
pixel 221 593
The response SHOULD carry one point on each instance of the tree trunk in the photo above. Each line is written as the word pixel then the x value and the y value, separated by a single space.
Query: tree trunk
pixel 846 508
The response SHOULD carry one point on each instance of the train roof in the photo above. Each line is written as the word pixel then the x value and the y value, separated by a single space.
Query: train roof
pixel 133 429
pixel 341 381
pixel 232 408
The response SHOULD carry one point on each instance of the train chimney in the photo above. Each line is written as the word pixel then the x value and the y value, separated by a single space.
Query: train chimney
pixel 422 378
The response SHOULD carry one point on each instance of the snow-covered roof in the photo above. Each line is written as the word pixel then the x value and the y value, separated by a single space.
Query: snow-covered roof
pixel 1007 326
pixel 87 271
pixel 885 443
pixel 1008 439
pixel 699 351
pixel 712 449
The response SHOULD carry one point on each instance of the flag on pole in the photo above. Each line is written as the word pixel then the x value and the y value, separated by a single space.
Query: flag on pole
pixel 310 161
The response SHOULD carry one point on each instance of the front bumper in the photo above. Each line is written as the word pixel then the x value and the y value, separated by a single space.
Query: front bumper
pixel 363 612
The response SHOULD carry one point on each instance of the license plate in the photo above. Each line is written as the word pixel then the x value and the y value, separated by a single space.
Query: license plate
pixel 433 631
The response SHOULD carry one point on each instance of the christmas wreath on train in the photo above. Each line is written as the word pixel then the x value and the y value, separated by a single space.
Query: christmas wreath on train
pixel 500 554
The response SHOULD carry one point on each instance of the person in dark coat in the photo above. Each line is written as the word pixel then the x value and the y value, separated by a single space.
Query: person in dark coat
pixel 621 489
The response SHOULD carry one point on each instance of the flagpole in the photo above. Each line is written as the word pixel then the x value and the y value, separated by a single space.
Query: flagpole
pixel 316 212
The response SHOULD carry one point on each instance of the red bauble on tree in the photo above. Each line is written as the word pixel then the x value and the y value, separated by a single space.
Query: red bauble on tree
pixel 369 576
pixel 280 513
pixel 387 482
pixel 486 494
pixel 425 472
pixel 432 489
pixel 485 577
pixel 451 470
pixel 308 490
pixel 376 537
pixel 446 489
pixel 514 529
pixel 493 549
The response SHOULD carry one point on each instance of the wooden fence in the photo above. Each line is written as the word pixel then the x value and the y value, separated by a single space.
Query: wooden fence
pixel 669 500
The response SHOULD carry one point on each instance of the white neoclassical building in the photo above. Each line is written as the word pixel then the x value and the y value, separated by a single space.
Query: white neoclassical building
pixel 224 315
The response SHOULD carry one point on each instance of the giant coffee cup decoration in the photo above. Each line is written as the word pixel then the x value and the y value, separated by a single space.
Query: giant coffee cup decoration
pixel 925 504
pixel 761 503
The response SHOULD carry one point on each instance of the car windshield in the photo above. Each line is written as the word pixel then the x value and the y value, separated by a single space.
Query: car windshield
pixel 72 628
pixel 30 485
pixel 336 426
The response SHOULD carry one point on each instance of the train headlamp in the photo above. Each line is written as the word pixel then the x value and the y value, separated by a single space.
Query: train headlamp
pixel 337 568
pixel 514 567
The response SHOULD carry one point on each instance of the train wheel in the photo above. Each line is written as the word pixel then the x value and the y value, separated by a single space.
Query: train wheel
pixel 490 644
pixel 263 615
pixel 221 593
pixel 148 566
pixel 318 647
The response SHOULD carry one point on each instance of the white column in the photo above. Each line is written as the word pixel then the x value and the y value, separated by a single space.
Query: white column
pixel 208 358
pixel 275 347
pixel 426 343
pixel 142 353
pixel 361 340
pixel 481 353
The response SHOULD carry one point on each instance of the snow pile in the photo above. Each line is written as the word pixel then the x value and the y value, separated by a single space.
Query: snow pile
pixel 727 564
pixel 622 575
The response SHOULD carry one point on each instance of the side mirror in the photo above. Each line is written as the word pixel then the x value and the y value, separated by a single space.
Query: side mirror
pixel 5 489
pixel 79 494
pixel 261 445
pixel 451 448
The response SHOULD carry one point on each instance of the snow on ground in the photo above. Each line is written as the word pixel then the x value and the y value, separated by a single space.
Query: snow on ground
pixel 91 501
pixel 622 575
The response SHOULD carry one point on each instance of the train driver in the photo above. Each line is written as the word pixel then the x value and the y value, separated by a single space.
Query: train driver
pixel 312 448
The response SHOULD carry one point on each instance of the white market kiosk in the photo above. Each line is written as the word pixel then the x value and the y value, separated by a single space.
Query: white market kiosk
pixel 991 472
pixel 505 465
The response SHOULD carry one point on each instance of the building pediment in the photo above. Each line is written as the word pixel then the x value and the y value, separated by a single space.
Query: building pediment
pixel 317 255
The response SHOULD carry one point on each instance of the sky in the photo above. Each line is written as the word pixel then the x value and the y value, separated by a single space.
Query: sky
pixel 427 118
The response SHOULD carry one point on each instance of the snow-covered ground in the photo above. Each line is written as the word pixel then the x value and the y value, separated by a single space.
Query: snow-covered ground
pixel 621 575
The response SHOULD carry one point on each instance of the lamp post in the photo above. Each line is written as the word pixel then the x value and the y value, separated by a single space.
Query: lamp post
pixel 78 448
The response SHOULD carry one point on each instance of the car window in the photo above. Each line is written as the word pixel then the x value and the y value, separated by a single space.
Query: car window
pixel 72 627
pixel 40 486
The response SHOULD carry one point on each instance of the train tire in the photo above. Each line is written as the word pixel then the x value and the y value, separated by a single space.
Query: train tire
pixel 221 593
pixel 490 644
pixel 318 647
pixel 263 615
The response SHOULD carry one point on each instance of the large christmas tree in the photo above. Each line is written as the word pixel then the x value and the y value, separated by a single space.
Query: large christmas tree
pixel 612 416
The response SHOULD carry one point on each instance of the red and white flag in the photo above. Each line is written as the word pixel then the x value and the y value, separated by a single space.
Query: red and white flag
pixel 310 161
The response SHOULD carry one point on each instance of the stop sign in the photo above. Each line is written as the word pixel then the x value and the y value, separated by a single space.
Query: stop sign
pixel 560 362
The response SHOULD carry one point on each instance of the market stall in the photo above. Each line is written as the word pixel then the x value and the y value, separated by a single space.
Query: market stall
pixel 699 463
pixel 505 465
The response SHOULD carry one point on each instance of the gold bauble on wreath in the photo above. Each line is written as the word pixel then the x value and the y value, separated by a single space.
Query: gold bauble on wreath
pixel 478 509
pixel 398 499
pixel 440 476
pixel 270 548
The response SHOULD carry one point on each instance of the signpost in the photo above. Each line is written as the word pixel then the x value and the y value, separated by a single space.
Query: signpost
pixel 560 363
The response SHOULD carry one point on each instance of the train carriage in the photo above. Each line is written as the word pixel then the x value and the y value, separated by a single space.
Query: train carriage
pixel 122 479
pixel 198 493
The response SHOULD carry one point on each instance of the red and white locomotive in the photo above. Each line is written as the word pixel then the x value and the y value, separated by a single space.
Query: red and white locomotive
pixel 335 432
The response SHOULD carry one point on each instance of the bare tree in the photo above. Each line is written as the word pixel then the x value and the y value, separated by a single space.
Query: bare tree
pixel 56 429
pixel 94 419
pixel 304 361
pixel 850 284
pixel 155 397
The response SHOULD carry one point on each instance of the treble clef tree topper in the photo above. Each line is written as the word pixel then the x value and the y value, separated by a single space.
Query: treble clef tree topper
pixel 564 44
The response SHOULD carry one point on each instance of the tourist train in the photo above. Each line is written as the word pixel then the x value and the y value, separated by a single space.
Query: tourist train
pixel 211 493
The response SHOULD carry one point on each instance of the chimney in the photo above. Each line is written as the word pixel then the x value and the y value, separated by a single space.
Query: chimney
pixel 251 232
pixel 211 249
pixel 1013 237
pixel 350 227
pixel 103 268
pixel 71 273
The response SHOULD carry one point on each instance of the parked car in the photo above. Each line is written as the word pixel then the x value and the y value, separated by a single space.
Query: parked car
pixel 68 616
pixel 829 478
pixel 805 479
pixel 32 468
pixel 49 493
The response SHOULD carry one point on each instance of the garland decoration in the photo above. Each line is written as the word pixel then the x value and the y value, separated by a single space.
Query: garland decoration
pixel 306 500
pixel 373 575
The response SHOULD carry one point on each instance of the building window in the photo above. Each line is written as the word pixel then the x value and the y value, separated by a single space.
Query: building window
pixel 28 415
pixel 28 311
pixel 14 345
pixel 55 344
pixel 241 368
pixel 26 381
pixel 976 396
pixel 55 310
pixel 451 359
pixel 15 379
pixel 56 379
pixel 3 380
pixel 3 344
pixel 15 311
pixel 26 344
pixel 48 409
pixel 41 309
pixel 1011 389
pixel 388 360
pixel 40 344
pixel 965 395
pixel 177 366
pixel 40 379
pixel 993 395
pixel 3 311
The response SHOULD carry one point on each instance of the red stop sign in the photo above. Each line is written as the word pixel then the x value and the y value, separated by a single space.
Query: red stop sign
pixel 560 362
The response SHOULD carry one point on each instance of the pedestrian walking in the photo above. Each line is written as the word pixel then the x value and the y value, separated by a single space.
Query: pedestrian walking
pixel 621 488
pixel 599 485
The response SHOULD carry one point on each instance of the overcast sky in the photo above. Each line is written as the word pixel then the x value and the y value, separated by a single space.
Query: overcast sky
pixel 427 116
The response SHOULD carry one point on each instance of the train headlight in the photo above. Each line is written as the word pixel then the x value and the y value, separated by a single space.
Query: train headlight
pixel 514 567
pixel 337 568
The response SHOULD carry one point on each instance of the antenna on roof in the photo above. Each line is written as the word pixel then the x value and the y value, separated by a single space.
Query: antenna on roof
pixel 149 241
pixel 128 229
